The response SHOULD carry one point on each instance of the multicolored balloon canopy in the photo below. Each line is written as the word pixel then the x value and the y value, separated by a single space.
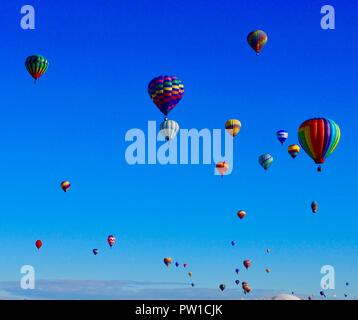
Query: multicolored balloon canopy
pixel 257 40
pixel 36 65
pixel 293 150
pixel 233 127
pixel 166 92
pixel 266 160
pixel 282 136
pixel 319 137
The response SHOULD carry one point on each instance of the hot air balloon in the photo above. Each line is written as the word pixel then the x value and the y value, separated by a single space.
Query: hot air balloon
pixel 257 39
pixel 265 160
pixel 222 287
pixel 319 137
pixel 36 65
pixel 190 274
pixel 267 270
pixel 177 264
pixel 237 271
pixel 247 263
pixel 192 284
pixel 222 167
pixel 322 294
pixel 314 206
pixel 111 240
pixel 233 242
pixel 347 284
pixel 233 127
pixel 95 251
pixel 166 92
pixel 241 214
pixel 282 136
pixel 185 265
pixel 293 150
pixel 268 250
pixel 169 129
pixel 246 287
pixel 345 295
pixel 167 261
pixel 38 244
pixel 237 282
pixel 65 185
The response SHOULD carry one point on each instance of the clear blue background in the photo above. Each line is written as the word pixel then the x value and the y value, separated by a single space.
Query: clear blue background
pixel 71 125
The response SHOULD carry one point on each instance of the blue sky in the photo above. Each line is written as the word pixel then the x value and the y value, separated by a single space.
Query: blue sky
pixel 71 125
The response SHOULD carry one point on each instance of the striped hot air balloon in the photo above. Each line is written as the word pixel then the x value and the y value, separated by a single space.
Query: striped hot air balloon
pixel 265 160
pixel 257 39
pixel 166 92
pixel 282 136
pixel 319 137
pixel 293 150
pixel 169 129
pixel 36 65
pixel 233 127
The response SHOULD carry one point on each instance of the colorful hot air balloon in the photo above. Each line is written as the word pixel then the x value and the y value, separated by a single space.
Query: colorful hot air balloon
pixel 293 150
pixel 257 39
pixel 246 287
pixel 247 263
pixel 265 160
pixel 222 167
pixel 241 214
pixel 282 136
pixel 166 92
pixel 169 129
pixel 65 185
pixel 222 287
pixel 237 282
pixel 95 251
pixel 168 261
pixel 314 206
pixel 233 127
pixel 319 137
pixel 190 274
pixel 36 65
pixel 38 244
pixel 111 240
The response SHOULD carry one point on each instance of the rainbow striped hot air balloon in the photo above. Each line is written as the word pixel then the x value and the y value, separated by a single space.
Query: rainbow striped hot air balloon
pixel 257 39
pixel 36 65
pixel 233 127
pixel 293 150
pixel 319 137
pixel 166 92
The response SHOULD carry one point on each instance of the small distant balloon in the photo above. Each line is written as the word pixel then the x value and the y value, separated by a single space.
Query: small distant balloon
pixel 233 127
pixel 282 136
pixel 185 265
pixel 222 167
pixel 38 244
pixel 268 250
pixel 314 206
pixel 246 287
pixel 222 287
pixel 257 40
pixel 237 271
pixel 267 270
pixel 265 160
pixel 111 239
pixel 95 251
pixel 169 129
pixel 237 282
pixel 168 261
pixel 322 294
pixel 241 214
pixel 65 185
pixel 293 150
pixel 177 264
pixel 192 284
pixel 36 65
pixel 190 274
pixel 233 242
pixel 247 263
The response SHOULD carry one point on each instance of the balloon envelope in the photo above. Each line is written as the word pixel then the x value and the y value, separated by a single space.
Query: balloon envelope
pixel 293 150
pixel 241 214
pixel 222 167
pixel 38 244
pixel 166 92
pixel 111 240
pixel 36 65
pixel 282 136
pixel 167 261
pixel 257 40
pixel 233 127
pixel 169 129
pixel 65 185
pixel 319 137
